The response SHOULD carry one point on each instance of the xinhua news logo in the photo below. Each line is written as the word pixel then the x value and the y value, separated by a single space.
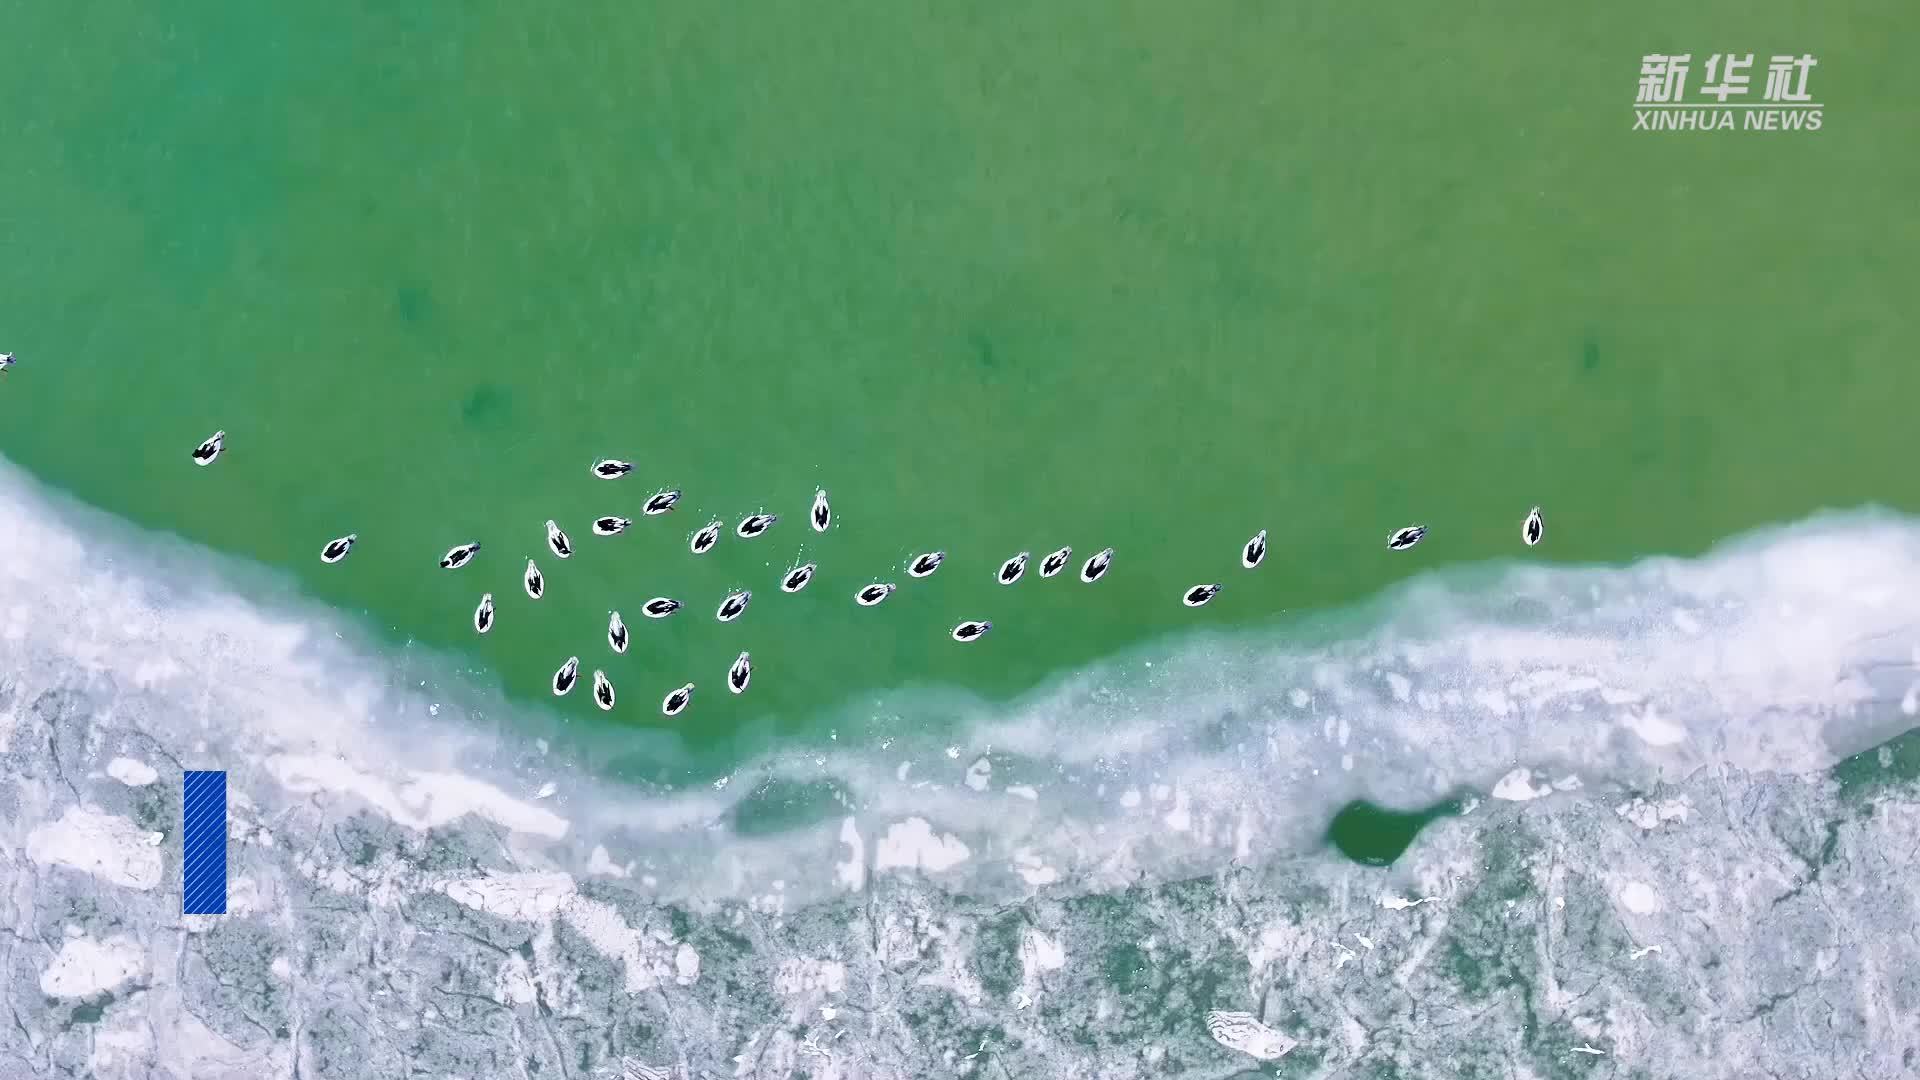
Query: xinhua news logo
pixel 1723 100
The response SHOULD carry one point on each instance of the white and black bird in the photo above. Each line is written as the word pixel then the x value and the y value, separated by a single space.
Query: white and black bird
pixel 616 632
pixel 821 514
pixel 1011 570
pixel 661 503
pixel 704 540
pixel 971 630
pixel 659 607
pixel 1255 551
pixel 740 673
pixel 6 361
pixel 874 593
pixel 337 549
pixel 1200 594
pixel 1055 562
pixel 733 605
pixel 611 468
pixel 610 526
pixel 602 690
pixel 754 524
pixel 568 674
pixel 457 557
pixel 557 541
pixel 675 703
pixel 923 565
pixel 1096 567
pixel 1402 539
pixel 1534 528
pixel 535 583
pixel 797 578
pixel 210 449
pixel 483 614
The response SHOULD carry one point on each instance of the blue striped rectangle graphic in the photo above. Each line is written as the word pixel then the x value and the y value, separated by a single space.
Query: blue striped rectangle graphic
pixel 203 844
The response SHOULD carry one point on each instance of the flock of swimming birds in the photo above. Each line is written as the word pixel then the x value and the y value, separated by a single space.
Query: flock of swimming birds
pixel 735 603
pixel 820 516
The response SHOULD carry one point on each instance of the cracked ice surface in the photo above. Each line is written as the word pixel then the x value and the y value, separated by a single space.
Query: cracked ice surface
pixel 1786 934
pixel 1735 903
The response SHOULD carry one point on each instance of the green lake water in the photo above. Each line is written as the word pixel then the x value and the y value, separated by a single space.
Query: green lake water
pixel 1000 278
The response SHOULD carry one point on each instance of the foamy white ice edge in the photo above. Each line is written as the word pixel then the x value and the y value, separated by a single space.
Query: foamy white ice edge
pixel 401 890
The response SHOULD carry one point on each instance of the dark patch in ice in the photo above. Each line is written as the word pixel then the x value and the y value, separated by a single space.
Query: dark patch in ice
pixel 1376 836
pixel 1884 769
pixel 89 1011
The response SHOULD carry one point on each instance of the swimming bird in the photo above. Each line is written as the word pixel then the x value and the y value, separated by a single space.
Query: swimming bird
pixel 1200 594
pixel 483 615
pixel 1096 567
pixel 6 361
pixel 971 630
pixel 458 556
pixel 661 503
pixel 1535 527
pixel 1255 550
pixel 755 524
pixel 1402 539
pixel 673 703
pixel 1055 562
pixel 602 690
pixel 611 468
pixel 874 593
pixel 797 578
pixel 616 632
pixel 610 526
pixel 704 540
pixel 536 584
pixel 557 540
pixel 337 549
pixel 1011 570
pixel 923 565
pixel 659 607
pixel 563 679
pixel 740 673
pixel 210 449
pixel 733 605
pixel 822 514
